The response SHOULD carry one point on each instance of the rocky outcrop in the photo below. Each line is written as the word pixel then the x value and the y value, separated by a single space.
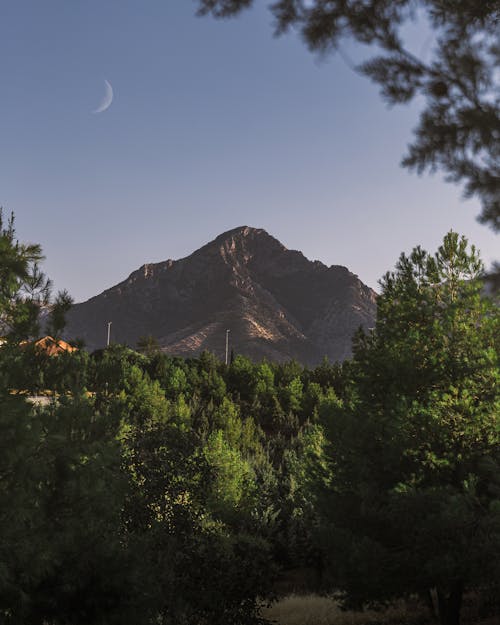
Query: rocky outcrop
pixel 276 303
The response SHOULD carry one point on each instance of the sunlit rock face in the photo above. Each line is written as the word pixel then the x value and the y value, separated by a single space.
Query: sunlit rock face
pixel 276 303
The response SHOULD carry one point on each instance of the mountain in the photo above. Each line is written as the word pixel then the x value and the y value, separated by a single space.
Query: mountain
pixel 276 303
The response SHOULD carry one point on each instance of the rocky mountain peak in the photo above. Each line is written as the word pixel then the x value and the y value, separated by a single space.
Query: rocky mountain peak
pixel 277 303
pixel 242 244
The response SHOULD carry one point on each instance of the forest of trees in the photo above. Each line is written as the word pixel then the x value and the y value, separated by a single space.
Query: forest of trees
pixel 155 489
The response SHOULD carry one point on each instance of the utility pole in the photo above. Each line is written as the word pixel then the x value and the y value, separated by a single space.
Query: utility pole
pixel 109 333
pixel 227 345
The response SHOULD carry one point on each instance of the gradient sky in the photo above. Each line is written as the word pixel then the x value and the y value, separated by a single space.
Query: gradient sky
pixel 213 125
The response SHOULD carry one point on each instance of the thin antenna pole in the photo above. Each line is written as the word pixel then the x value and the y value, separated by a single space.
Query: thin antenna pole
pixel 109 332
pixel 227 345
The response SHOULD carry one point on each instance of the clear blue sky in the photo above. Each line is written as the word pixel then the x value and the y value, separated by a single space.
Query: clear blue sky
pixel 213 125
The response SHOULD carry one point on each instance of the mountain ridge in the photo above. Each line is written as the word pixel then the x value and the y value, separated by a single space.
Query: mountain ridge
pixel 277 303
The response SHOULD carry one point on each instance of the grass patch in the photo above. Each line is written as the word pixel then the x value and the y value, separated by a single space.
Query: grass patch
pixel 316 610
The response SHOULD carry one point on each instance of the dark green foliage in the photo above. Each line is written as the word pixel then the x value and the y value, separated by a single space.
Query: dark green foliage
pixel 414 502
pixel 200 569
pixel 62 556
pixel 57 319
pixel 150 489
pixel 217 458
pixel 459 129
pixel 24 289
pixel 148 345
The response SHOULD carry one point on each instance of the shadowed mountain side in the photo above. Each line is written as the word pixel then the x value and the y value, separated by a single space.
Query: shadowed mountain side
pixel 277 303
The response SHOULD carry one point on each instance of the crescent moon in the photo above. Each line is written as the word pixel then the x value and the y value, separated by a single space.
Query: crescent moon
pixel 107 99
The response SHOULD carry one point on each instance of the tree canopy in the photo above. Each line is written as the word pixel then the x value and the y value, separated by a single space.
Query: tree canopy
pixel 459 128
pixel 25 291
pixel 149 488
pixel 414 503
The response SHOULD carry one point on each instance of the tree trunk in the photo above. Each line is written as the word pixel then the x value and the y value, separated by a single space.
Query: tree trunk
pixel 428 599
pixel 450 603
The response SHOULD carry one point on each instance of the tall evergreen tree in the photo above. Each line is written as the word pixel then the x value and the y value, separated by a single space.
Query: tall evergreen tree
pixel 415 498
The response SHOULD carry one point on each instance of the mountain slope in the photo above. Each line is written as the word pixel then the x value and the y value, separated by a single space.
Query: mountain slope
pixel 276 303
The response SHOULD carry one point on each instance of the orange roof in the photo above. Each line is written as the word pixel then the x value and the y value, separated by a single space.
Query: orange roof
pixel 53 347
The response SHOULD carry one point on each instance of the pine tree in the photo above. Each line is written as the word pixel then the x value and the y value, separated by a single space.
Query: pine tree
pixel 415 501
